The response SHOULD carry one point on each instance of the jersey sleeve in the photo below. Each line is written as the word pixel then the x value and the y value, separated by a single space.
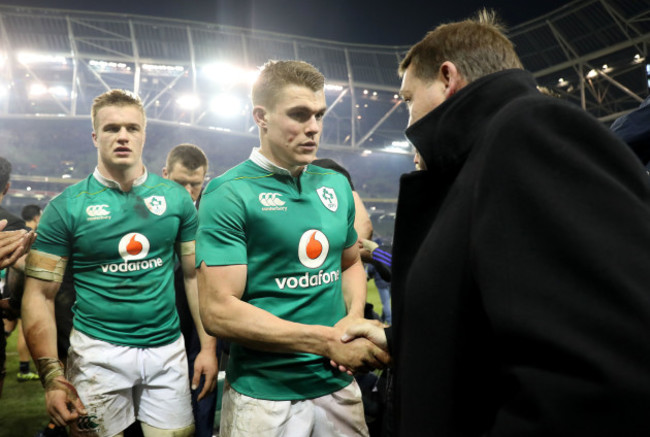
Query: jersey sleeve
pixel 54 236
pixel 189 220
pixel 221 238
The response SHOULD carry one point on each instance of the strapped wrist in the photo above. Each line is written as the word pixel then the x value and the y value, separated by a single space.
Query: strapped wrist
pixel 48 370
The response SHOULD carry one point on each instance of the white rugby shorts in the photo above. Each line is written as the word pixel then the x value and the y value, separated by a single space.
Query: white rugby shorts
pixel 118 384
pixel 339 414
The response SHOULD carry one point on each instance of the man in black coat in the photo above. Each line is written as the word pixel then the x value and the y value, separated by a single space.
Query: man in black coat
pixel 521 262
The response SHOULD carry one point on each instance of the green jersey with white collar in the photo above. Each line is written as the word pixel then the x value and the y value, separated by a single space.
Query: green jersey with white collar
pixel 291 233
pixel 120 247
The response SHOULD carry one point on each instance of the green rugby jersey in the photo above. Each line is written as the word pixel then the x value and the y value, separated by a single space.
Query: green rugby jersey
pixel 121 249
pixel 291 233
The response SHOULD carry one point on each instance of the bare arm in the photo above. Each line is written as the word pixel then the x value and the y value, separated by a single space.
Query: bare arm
pixel 362 223
pixel 353 279
pixel 62 401
pixel 206 361
pixel 224 314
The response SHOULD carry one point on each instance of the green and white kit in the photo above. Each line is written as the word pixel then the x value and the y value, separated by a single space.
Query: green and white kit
pixel 120 247
pixel 291 233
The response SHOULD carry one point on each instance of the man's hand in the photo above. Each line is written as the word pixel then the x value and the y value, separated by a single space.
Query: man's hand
pixel 356 355
pixel 370 331
pixel 62 401
pixel 205 364
pixel 365 249
pixel 13 244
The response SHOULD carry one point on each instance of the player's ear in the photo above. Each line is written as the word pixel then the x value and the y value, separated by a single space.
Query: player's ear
pixel 260 115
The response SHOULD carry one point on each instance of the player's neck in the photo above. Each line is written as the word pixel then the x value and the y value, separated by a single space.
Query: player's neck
pixel 124 176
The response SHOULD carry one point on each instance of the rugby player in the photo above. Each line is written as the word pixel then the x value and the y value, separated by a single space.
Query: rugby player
pixel 119 229
pixel 280 274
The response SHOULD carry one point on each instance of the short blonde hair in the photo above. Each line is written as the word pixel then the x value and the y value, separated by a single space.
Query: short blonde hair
pixel 116 98
pixel 275 75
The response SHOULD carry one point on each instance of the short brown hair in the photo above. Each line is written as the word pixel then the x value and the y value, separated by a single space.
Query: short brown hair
pixel 189 156
pixel 477 47
pixel 275 75
pixel 116 98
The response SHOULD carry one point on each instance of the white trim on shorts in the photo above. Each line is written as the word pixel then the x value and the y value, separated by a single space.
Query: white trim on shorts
pixel 339 414
pixel 118 384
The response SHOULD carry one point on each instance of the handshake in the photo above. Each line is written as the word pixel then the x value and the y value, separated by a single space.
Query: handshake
pixel 360 345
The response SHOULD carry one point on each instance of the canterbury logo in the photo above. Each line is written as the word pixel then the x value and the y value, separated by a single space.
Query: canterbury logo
pixel 97 211
pixel 86 423
pixel 271 199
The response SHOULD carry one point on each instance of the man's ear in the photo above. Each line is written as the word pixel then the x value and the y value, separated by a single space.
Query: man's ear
pixel 164 173
pixel 6 190
pixel 451 77
pixel 259 115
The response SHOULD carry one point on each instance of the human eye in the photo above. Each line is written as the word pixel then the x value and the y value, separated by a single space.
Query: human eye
pixel 299 115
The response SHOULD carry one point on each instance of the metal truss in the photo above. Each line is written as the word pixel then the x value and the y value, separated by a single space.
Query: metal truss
pixel 54 62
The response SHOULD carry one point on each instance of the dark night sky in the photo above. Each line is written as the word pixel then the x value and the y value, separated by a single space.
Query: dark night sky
pixel 394 22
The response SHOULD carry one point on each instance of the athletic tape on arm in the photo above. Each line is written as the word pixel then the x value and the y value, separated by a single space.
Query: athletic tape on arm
pixel 41 265
pixel 186 248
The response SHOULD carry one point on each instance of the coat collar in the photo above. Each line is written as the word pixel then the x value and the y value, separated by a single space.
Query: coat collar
pixel 446 135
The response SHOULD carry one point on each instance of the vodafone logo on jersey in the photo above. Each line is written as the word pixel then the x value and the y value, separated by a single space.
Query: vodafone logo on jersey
pixel 313 248
pixel 133 246
pixel 312 252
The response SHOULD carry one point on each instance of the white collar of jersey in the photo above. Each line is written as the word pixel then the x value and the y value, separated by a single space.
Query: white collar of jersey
pixel 266 164
pixel 112 184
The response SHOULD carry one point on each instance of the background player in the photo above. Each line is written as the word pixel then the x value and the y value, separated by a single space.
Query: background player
pixel 118 229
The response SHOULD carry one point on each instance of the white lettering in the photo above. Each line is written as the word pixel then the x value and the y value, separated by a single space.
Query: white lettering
pixel 136 266
pixel 308 280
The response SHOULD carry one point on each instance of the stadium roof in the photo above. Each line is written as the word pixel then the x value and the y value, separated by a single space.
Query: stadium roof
pixel 53 62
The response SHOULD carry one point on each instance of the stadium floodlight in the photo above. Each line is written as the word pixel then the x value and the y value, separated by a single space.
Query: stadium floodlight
pixel 59 91
pixel 592 74
pixel 188 101
pixel 162 70
pixel 29 58
pixel 226 105
pixel 401 144
pixel 37 89
pixel 226 74
pixel 109 66
pixel 330 87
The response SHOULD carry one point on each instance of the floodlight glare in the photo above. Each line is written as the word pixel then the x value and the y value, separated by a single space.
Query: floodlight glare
pixel 59 91
pixel 330 87
pixel 37 89
pixel 226 105
pixel 592 74
pixel 188 101
pixel 225 74
pixel 27 58
pixel 401 144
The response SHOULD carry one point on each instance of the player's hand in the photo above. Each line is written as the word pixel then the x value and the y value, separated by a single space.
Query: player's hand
pixel 63 403
pixel 356 355
pixel 205 365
